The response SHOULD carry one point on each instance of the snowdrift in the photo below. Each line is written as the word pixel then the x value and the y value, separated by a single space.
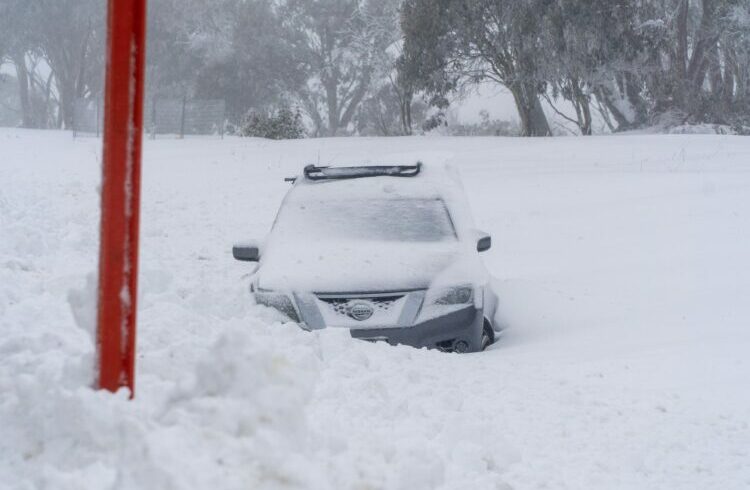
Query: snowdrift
pixel 622 268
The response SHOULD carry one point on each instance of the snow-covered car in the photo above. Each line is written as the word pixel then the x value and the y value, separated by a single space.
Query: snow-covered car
pixel 388 252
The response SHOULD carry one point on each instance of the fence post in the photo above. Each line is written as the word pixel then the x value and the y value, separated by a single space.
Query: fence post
pixel 182 120
pixel 153 118
pixel 75 119
pixel 222 119
pixel 121 179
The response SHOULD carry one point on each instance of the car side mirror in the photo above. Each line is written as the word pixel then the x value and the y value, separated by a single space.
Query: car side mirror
pixel 484 241
pixel 246 252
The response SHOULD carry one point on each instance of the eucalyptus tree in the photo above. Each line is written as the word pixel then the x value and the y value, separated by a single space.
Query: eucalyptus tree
pixel 450 43
pixel 71 35
pixel 256 64
pixel 341 46
pixel 16 41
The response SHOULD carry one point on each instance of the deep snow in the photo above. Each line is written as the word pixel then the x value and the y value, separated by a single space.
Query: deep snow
pixel 622 266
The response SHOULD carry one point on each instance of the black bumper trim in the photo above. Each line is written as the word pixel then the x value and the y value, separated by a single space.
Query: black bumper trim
pixel 462 325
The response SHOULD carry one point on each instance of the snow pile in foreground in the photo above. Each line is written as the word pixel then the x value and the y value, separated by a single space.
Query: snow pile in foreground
pixel 621 264
pixel 237 421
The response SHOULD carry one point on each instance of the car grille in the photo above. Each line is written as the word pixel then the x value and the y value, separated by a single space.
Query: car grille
pixel 342 306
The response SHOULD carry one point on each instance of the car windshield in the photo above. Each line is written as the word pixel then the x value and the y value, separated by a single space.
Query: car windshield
pixel 405 220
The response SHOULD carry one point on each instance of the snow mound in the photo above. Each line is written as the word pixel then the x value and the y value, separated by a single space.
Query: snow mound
pixel 621 264
pixel 702 129
pixel 238 421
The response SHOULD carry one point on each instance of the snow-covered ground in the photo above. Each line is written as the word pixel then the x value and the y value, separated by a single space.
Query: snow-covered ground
pixel 623 268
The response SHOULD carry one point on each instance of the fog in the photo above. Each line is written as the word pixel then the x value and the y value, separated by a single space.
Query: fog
pixel 312 68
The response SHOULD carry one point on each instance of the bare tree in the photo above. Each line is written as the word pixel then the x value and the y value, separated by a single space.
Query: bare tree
pixel 459 42
pixel 67 30
pixel 341 46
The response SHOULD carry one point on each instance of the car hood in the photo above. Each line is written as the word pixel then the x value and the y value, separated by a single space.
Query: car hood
pixel 357 266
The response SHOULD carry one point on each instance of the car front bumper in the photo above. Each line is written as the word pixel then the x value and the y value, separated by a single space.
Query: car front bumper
pixel 459 330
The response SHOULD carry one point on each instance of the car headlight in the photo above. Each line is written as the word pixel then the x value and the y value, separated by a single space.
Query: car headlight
pixel 457 295
pixel 278 301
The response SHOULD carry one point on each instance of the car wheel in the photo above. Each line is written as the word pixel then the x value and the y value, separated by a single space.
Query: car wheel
pixel 487 335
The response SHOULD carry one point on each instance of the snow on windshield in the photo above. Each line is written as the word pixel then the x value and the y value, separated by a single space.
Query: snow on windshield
pixel 402 220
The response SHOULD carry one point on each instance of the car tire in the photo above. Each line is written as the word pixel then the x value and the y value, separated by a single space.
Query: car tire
pixel 487 335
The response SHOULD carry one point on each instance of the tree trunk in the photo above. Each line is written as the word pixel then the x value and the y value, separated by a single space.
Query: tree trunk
pixel 354 102
pixel 706 40
pixel 47 99
pixel 311 109
pixel 22 75
pixel 739 74
pixel 586 119
pixel 533 120
pixel 408 131
pixel 332 101
pixel 582 105
pixel 605 97
pixel 715 74
pixel 405 100
pixel 681 56
pixel 408 123
pixel 67 103
pixel 682 40
pixel 635 99
pixel 729 62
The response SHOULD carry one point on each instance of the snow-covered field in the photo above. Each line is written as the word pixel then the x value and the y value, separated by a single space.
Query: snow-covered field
pixel 623 268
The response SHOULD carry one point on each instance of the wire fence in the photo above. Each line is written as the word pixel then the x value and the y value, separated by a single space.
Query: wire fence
pixel 177 118
pixel 88 117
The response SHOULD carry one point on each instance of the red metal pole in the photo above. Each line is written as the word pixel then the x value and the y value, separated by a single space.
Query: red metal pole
pixel 121 185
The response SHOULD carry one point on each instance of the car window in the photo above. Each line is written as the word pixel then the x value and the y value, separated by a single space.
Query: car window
pixel 410 220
